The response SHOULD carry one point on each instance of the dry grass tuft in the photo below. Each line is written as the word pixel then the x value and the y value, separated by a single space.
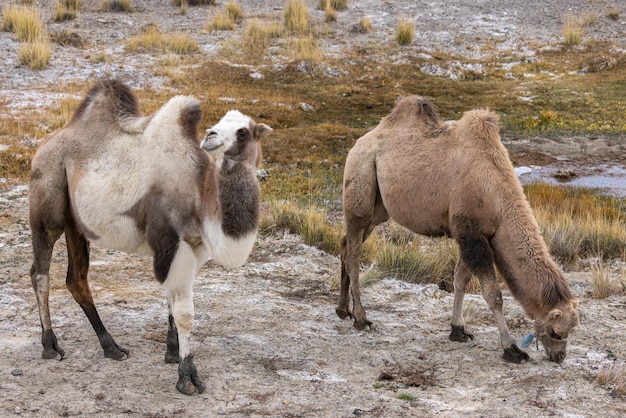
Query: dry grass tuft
pixel 573 31
pixel 116 6
pixel 310 223
pixel 402 255
pixel 614 376
pixel 296 17
pixel 24 22
pixel 259 35
pixel 66 10
pixel 221 22
pixel 330 15
pixel 304 49
pixel 365 24
pixel 179 3
pixel 67 37
pixel 589 19
pixel 36 54
pixel 578 223
pixel 151 39
pixel 334 4
pixel 405 32
pixel 612 14
pixel 234 11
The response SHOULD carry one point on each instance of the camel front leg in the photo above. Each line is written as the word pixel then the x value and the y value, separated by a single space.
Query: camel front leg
pixel 462 276
pixel 179 287
pixel 493 295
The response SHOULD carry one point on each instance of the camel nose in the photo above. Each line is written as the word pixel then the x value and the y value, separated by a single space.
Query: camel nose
pixel 557 356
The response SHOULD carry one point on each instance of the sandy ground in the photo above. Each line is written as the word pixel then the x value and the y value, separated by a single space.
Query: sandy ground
pixel 266 339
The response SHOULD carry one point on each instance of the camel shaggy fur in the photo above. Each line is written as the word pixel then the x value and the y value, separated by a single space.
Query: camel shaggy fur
pixel 456 180
pixel 143 185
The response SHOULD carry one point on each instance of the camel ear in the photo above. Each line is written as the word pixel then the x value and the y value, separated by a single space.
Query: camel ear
pixel 554 313
pixel 261 130
pixel 575 303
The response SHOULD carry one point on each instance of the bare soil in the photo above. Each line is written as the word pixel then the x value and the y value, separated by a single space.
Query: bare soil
pixel 266 339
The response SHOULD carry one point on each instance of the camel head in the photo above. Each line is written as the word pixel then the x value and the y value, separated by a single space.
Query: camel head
pixel 235 137
pixel 553 330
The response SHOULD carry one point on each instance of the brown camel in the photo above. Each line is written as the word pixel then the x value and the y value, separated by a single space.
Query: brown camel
pixel 456 180
pixel 144 185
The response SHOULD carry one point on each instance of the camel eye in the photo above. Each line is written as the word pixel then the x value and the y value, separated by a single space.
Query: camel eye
pixel 242 134
pixel 554 335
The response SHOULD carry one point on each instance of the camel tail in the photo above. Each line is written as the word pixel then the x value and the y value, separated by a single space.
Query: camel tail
pixel 108 97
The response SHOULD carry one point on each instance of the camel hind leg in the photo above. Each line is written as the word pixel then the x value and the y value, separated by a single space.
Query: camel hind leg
pixel 43 242
pixel 77 284
pixel 357 232
pixel 47 208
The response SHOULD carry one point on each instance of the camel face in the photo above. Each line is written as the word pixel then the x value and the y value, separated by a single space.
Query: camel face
pixel 235 137
pixel 554 330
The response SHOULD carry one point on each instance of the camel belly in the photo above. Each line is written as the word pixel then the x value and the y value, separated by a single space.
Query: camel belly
pixel 101 209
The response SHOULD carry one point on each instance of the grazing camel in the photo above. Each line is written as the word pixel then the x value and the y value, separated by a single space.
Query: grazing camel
pixel 456 180
pixel 144 185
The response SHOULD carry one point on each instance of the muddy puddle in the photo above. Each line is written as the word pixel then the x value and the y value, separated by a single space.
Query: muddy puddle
pixel 609 178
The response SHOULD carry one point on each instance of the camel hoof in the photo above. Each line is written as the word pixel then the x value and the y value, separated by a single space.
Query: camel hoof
pixel 360 324
pixel 458 334
pixel 52 354
pixel 172 357
pixel 188 380
pixel 343 314
pixel 116 352
pixel 514 354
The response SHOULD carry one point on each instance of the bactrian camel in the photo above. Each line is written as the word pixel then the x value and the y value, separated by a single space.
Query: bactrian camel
pixel 455 180
pixel 143 185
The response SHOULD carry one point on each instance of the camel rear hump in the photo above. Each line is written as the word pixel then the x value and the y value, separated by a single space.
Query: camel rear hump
pixel 182 111
pixel 480 125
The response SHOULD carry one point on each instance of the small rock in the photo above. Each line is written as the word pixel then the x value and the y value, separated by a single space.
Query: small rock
pixel 17 372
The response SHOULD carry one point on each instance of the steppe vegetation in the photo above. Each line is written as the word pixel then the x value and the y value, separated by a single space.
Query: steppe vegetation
pixel 577 87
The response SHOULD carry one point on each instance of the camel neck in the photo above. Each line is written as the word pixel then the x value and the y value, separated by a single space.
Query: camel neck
pixel 524 261
pixel 240 197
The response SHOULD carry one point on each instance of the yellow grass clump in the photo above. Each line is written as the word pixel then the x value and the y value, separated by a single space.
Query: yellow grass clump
pixel 612 14
pixel 221 22
pixel 578 223
pixel 572 31
pixel 296 17
pixel 66 10
pixel 614 376
pixel 304 49
pixel 405 32
pixel 153 40
pixel 24 22
pixel 258 36
pixel 334 4
pixel 36 54
pixel 311 223
pixel 234 11
pixel 330 15
pixel 116 6
pixel 179 3
pixel 365 24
